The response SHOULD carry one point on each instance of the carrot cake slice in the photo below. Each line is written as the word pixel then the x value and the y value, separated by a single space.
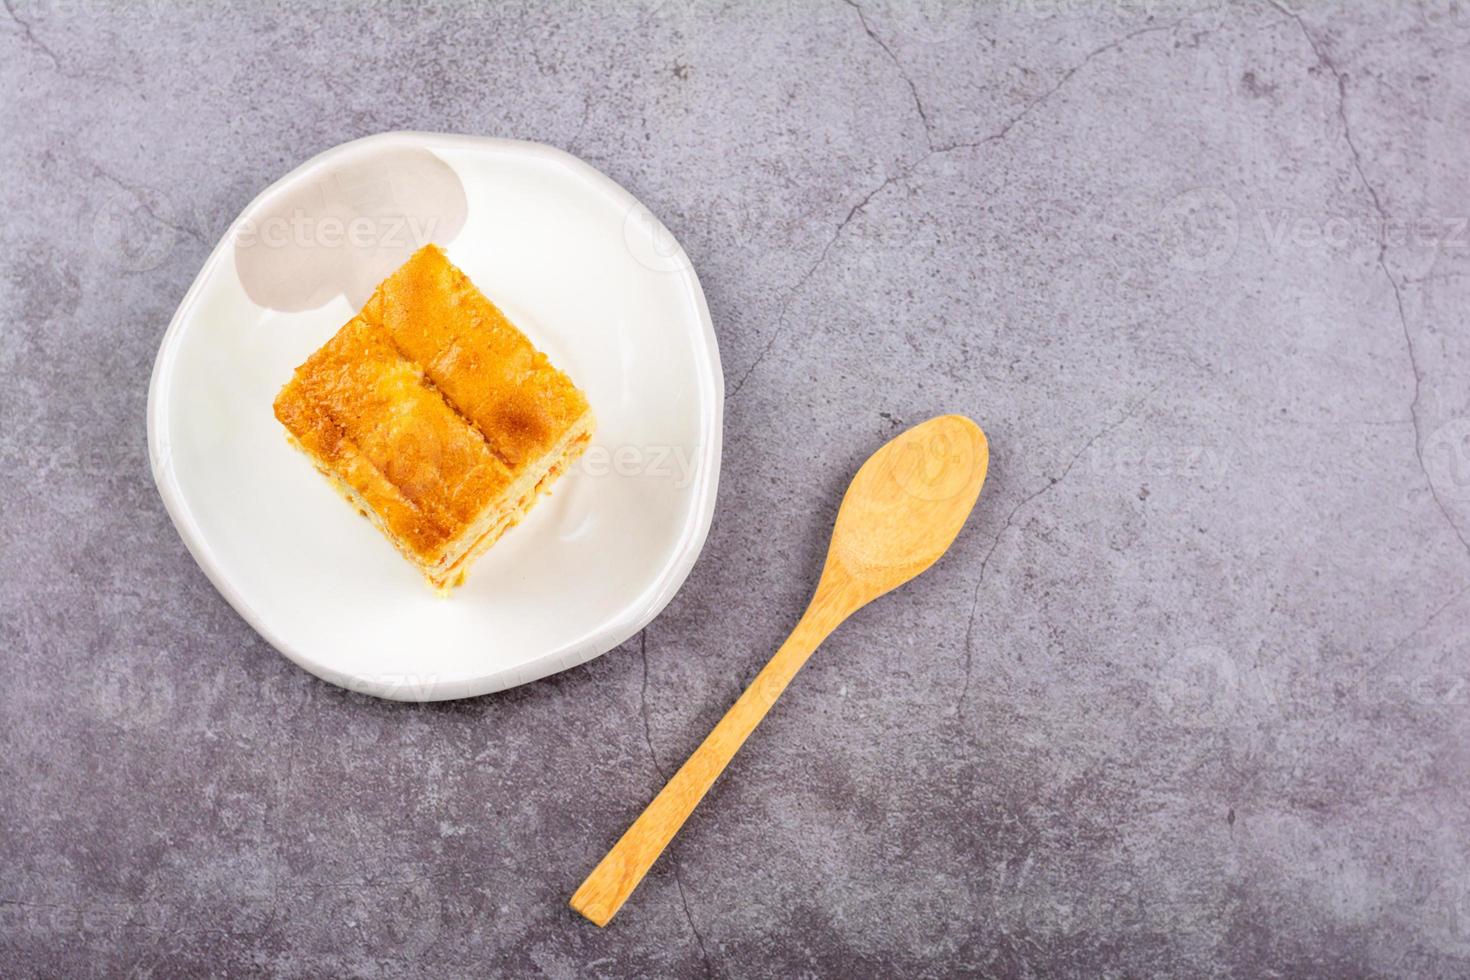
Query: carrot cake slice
pixel 434 416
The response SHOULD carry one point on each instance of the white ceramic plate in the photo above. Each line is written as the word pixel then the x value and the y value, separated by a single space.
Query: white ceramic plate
pixel 586 272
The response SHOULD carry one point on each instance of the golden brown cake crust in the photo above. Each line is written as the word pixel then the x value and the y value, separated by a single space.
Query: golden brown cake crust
pixel 486 367
pixel 434 413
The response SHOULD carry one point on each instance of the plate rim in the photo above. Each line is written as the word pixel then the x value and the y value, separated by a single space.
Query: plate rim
pixel 619 627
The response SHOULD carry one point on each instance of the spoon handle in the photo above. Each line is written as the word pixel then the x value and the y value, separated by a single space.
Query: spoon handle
pixel 615 877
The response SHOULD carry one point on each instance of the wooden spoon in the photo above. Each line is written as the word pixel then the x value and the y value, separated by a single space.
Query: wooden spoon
pixel 901 512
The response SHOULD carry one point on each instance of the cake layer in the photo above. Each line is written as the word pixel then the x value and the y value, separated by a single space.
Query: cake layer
pixel 435 416
pixel 515 505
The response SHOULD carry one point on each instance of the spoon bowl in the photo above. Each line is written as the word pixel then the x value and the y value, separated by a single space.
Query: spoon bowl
pixel 907 504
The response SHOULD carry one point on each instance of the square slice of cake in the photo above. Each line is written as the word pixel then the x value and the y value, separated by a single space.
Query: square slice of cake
pixel 434 416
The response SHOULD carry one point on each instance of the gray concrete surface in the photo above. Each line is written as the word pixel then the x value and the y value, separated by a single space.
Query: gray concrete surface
pixel 1189 697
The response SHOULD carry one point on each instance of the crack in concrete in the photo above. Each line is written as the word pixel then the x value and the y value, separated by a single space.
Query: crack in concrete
pixel 821 258
pixel 643 704
pixel 144 205
pixel 909 169
pixel 1026 110
pixel 576 141
pixel 28 35
pixel 902 72
pixel 1128 413
pixel 663 778
pixel 1428 622
pixel 1347 134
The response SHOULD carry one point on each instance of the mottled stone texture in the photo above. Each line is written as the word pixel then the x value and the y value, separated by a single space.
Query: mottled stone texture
pixel 1189 696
